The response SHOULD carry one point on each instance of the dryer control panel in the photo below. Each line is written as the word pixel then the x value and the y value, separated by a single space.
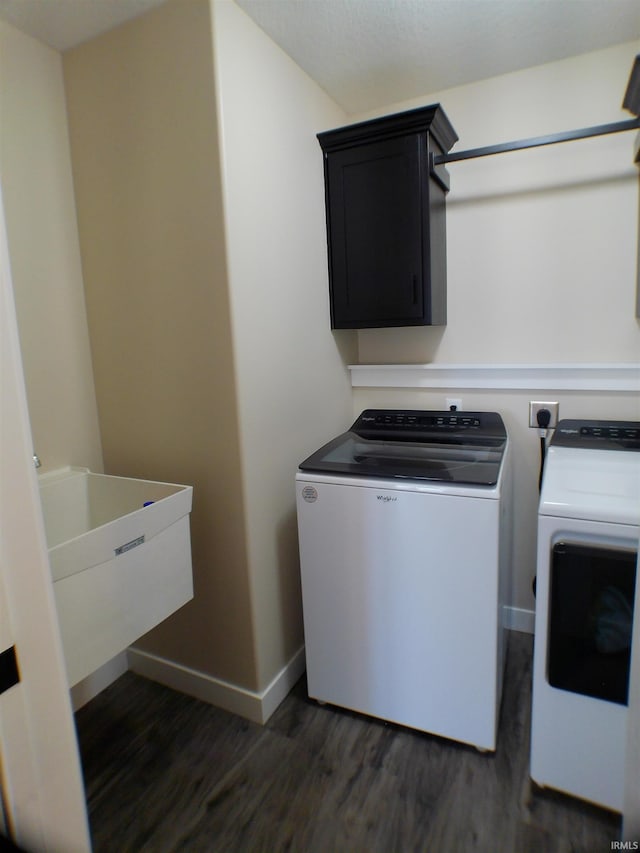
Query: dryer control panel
pixel 600 435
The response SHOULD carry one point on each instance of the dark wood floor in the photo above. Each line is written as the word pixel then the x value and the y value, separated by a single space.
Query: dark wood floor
pixel 165 772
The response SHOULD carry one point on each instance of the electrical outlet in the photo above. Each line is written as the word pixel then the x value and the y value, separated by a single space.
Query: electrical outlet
pixel 535 407
pixel 454 403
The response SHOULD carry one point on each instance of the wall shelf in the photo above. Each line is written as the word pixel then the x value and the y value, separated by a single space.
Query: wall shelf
pixel 506 377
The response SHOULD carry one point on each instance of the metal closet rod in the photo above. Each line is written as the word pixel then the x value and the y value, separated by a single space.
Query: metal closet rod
pixel 537 141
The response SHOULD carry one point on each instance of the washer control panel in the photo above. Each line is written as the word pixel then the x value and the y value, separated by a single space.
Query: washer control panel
pixel 412 419
pixel 418 425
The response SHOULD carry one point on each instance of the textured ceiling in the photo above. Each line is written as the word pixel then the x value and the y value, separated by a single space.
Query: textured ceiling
pixel 370 53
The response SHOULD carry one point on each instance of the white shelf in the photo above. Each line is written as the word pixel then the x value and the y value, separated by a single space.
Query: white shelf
pixel 508 377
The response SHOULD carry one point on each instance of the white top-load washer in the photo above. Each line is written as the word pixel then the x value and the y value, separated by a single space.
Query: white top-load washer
pixel 405 557
pixel 588 527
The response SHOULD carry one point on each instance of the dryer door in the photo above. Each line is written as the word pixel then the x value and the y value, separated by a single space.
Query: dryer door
pixel 591 619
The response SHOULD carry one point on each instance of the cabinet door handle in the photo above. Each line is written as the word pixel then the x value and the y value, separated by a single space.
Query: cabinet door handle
pixel 414 281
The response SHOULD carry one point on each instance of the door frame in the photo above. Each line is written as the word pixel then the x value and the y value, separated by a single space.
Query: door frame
pixel 41 786
pixel 631 816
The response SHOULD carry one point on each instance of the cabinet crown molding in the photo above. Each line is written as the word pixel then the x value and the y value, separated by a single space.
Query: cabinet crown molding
pixel 431 118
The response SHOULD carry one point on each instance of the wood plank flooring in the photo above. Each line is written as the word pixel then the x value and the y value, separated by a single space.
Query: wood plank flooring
pixel 165 772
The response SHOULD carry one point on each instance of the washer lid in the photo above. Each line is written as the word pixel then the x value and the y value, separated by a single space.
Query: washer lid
pixel 464 447
pixel 596 485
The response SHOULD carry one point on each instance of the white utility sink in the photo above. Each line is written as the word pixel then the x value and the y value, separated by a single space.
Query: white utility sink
pixel 120 555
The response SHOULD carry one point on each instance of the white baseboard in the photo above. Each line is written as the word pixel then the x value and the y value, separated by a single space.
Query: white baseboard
pixel 519 619
pixel 255 706
pixel 85 690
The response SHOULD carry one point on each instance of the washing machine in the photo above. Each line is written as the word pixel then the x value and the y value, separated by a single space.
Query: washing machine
pixel 404 534
pixel 588 527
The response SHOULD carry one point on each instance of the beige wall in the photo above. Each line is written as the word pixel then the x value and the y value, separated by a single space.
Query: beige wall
pixel 542 258
pixel 541 244
pixel 35 171
pixel 293 390
pixel 205 298
pixel 144 142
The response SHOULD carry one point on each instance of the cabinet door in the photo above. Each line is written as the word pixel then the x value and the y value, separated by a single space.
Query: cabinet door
pixel 375 224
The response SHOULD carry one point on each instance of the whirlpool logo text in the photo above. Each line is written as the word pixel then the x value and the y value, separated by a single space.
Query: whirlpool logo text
pixel 386 498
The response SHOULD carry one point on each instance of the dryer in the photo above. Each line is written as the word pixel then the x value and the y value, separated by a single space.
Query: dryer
pixel 588 527
pixel 404 535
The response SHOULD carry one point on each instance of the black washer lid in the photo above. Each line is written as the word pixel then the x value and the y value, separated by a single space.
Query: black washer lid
pixel 458 448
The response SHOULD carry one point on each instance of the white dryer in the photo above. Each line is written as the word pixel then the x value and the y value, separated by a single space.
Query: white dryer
pixel 405 558
pixel 588 527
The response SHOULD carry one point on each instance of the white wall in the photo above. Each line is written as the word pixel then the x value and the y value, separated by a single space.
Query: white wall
pixel 542 244
pixel 35 169
pixel 293 386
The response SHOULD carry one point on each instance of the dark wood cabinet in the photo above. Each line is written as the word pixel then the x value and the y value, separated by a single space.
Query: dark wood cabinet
pixel 386 234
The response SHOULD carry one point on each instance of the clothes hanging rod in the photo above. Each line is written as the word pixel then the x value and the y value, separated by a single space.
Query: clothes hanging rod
pixel 537 141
